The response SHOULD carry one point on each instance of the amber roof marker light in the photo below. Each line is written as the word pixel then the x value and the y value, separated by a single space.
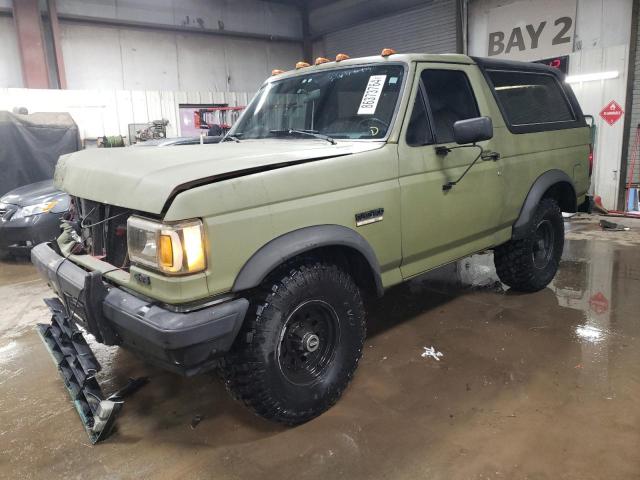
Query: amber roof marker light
pixel 276 72
pixel 386 52
pixel 300 65
pixel 321 60
pixel 342 56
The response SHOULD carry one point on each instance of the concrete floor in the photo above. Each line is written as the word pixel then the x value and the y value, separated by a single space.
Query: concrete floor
pixel 529 386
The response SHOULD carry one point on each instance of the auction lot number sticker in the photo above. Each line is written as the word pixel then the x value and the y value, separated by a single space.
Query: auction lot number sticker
pixel 371 95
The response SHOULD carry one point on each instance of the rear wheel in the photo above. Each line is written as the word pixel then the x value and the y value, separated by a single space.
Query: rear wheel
pixel 530 263
pixel 299 349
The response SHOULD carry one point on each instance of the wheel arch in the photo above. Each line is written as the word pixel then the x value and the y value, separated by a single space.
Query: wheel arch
pixel 554 184
pixel 338 242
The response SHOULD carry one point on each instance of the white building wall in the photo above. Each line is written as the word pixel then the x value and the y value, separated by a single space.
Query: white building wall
pixel 240 16
pixel 141 59
pixel 10 68
pixel 601 43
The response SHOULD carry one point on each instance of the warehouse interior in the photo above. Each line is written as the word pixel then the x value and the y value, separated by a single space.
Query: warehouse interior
pixel 121 107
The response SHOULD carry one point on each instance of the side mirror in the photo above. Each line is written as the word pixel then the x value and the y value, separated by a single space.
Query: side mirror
pixel 472 130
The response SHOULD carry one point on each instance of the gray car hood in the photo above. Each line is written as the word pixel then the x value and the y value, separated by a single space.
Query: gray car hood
pixel 32 194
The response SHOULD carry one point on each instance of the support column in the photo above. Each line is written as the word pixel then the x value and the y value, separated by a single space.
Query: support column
pixel 307 47
pixel 57 49
pixel 26 15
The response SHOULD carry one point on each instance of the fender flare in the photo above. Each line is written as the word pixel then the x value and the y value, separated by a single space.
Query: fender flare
pixel 287 246
pixel 538 189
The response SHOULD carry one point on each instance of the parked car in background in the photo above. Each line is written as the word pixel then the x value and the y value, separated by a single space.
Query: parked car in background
pixel 30 215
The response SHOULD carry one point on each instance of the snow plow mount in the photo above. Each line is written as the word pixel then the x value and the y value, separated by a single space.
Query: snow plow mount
pixel 78 366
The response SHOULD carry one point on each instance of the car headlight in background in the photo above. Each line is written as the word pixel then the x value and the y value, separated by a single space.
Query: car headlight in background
pixel 36 209
pixel 171 248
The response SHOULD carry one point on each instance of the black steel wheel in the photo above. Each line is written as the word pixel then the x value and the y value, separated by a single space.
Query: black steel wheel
pixel 543 244
pixel 308 341
pixel 530 263
pixel 299 348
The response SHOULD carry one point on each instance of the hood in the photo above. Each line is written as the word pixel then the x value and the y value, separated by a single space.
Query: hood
pixel 32 194
pixel 145 178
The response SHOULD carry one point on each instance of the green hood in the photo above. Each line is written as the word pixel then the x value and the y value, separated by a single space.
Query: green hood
pixel 145 178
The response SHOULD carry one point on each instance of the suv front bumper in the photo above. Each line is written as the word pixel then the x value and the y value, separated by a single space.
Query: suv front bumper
pixel 186 343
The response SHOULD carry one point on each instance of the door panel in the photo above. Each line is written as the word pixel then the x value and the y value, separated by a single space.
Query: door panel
pixel 441 226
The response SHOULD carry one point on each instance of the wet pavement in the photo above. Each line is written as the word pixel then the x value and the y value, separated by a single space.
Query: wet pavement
pixel 539 386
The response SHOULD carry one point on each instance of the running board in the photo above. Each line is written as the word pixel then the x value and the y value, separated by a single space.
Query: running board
pixel 78 367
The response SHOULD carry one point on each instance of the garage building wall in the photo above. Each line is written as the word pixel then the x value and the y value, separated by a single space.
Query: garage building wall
pixel 175 45
pixel 109 112
pixel 430 28
pixel 601 44
pixel 110 57
pixel 238 16
pixel 10 68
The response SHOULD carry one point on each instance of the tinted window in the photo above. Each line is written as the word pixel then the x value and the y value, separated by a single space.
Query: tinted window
pixel 419 132
pixel 530 98
pixel 450 98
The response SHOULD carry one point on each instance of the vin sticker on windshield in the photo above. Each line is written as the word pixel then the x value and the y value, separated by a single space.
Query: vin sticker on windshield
pixel 371 95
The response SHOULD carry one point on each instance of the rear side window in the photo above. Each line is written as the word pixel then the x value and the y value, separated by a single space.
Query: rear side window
pixel 450 99
pixel 531 98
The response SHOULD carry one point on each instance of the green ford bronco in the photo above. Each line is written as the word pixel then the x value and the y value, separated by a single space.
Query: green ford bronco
pixel 256 256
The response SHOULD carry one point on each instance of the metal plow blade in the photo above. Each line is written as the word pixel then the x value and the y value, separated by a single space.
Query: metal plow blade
pixel 78 366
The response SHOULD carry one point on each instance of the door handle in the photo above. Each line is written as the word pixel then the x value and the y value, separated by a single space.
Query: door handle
pixel 490 156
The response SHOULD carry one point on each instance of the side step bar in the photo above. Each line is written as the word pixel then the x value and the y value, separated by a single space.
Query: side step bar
pixel 78 367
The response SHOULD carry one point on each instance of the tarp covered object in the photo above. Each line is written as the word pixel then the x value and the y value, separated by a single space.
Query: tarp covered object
pixel 31 144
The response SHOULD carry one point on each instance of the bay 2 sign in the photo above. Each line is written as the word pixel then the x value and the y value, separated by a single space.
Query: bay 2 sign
pixel 532 29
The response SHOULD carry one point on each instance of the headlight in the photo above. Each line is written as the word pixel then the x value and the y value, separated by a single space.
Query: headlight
pixel 171 248
pixel 37 209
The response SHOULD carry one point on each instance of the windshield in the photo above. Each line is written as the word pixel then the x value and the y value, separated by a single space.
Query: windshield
pixel 350 103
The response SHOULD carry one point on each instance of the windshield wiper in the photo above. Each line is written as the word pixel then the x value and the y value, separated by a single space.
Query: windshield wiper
pixel 310 133
pixel 233 138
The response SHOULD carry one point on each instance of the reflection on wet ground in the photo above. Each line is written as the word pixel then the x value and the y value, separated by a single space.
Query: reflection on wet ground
pixel 528 386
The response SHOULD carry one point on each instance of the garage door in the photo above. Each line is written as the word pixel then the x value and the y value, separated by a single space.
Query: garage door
pixel 428 29
pixel 635 116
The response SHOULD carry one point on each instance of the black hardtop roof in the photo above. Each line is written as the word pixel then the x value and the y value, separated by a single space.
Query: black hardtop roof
pixel 495 64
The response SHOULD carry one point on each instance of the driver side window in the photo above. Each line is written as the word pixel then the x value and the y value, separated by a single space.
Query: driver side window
pixel 450 99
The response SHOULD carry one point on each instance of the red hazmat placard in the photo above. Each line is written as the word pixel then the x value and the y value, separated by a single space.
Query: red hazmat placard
pixel 612 112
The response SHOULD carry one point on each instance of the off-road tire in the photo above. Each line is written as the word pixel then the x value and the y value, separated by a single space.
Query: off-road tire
pixel 514 260
pixel 254 370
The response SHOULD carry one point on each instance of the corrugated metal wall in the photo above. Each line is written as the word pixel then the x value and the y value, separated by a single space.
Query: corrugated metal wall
pixel 109 112
pixel 635 117
pixel 427 29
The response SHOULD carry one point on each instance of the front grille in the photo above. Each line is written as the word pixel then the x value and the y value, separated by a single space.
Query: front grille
pixel 104 231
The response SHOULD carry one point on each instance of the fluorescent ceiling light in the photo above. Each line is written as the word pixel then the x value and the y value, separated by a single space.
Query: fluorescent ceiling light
pixel 590 77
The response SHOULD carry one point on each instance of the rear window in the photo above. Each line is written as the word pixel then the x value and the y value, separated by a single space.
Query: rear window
pixel 530 98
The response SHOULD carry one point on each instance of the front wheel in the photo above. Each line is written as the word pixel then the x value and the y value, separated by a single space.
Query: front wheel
pixel 299 349
pixel 530 263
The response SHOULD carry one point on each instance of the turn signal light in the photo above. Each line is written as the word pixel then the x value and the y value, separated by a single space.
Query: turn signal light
pixel 387 52
pixel 321 60
pixel 166 251
pixel 300 65
pixel 342 56
pixel 276 72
